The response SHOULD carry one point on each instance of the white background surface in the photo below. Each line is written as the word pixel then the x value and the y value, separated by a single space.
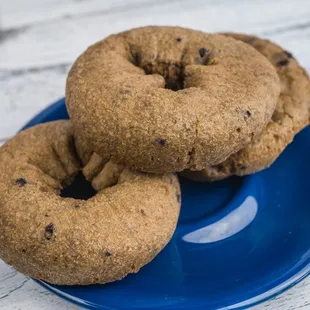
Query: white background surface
pixel 39 40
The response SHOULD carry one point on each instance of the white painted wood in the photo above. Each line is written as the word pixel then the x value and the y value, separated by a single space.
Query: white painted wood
pixel 61 42
pixel 35 59
pixel 20 13
pixel 23 96
pixel 18 292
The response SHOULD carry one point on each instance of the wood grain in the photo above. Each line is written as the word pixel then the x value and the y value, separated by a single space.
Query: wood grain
pixel 43 45
pixel 26 13
pixel 39 40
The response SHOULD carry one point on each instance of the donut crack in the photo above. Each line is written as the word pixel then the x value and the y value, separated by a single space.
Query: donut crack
pixel 108 176
pixel 48 179
pixel 135 55
pixel 73 150
pixel 93 167
pixel 58 158
pixel 191 154
pixel 183 54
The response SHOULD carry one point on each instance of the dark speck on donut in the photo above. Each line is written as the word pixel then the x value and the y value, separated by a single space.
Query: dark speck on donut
pixel 162 142
pixel 49 231
pixel 288 54
pixel 179 39
pixel 283 63
pixel 143 212
pixel 21 182
pixel 124 91
pixel 76 207
pixel 203 52
pixel 247 114
pixel 107 253
pixel 178 197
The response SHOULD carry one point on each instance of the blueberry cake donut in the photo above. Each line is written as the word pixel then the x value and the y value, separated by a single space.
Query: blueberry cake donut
pixel 49 235
pixel 291 115
pixel 165 99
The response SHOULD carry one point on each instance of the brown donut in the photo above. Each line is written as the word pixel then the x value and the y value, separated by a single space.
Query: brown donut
pixel 164 99
pixel 291 115
pixel 71 241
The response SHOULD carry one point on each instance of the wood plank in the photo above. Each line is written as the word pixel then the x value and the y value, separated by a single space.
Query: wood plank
pixel 19 292
pixel 62 41
pixel 33 79
pixel 293 299
pixel 21 13
pixel 23 96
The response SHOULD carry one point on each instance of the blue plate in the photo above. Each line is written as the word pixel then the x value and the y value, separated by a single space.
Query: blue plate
pixel 238 242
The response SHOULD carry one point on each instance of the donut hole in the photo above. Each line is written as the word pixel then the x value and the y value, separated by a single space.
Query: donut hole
pixel 174 85
pixel 79 188
pixel 172 73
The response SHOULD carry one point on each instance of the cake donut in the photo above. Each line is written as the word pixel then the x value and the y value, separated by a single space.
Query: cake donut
pixel 164 99
pixel 68 240
pixel 291 115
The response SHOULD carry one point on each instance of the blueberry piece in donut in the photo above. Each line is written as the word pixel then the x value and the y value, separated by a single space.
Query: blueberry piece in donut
pixel 49 231
pixel 203 52
pixel 288 54
pixel 21 182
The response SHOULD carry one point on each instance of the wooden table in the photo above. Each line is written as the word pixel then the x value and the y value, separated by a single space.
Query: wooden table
pixel 39 40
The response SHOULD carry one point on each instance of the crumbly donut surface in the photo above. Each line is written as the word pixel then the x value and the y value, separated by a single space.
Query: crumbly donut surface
pixel 71 241
pixel 291 115
pixel 165 99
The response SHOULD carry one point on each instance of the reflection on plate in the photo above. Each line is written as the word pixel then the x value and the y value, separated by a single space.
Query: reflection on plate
pixel 227 226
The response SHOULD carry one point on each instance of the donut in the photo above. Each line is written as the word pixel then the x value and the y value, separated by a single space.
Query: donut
pixel 164 99
pixel 98 237
pixel 291 115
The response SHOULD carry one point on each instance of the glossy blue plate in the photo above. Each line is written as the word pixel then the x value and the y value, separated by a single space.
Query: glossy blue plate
pixel 238 242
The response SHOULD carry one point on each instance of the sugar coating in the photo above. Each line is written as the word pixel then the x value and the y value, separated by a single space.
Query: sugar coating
pixel 291 115
pixel 164 99
pixel 70 241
